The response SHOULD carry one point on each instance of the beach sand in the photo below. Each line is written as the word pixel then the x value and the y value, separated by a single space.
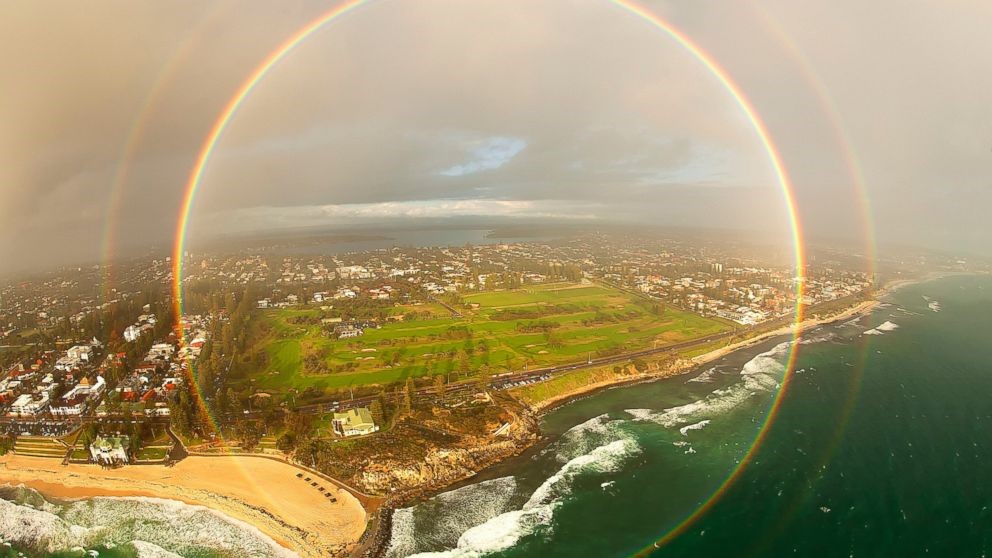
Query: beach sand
pixel 857 310
pixel 262 492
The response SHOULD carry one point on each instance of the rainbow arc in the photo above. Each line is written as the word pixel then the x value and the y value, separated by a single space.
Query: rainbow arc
pixel 678 38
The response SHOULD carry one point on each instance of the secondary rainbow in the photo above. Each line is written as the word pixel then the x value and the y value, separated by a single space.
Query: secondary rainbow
pixel 136 136
pixel 641 13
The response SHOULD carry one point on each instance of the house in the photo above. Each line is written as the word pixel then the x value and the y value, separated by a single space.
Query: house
pixel 69 407
pixel 110 451
pixel 75 356
pixel 354 422
pixel 80 352
pixel 162 351
pixel 348 331
pixel 29 405
pixel 85 389
pixel 131 333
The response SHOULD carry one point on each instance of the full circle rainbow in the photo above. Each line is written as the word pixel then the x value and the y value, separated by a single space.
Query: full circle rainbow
pixel 641 13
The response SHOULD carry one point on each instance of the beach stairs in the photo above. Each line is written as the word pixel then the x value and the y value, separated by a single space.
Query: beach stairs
pixel 40 446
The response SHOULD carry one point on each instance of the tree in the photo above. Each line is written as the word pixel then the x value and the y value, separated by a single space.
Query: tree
pixel 235 407
pixel 248 434
pixel 439 386
pixel 227 339
pixel 408 396
pixel 300 425
pixel 485 377
pixel 376 410
pixel 286 442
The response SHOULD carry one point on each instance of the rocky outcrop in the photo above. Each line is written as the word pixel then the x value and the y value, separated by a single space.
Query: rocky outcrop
pixel 442 466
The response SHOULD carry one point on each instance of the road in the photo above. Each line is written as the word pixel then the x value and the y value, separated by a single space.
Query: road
pixel 506 381
pixel 459 390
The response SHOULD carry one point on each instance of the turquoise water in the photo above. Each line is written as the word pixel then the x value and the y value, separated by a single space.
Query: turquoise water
pixel 882 447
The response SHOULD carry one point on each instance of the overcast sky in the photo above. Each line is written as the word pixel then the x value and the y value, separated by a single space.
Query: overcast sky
pixel 553 109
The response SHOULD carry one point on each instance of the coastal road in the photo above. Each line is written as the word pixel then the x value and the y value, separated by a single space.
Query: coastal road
pixel 459 390
pixel 512 379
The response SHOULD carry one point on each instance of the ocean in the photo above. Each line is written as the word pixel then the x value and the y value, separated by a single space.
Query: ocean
pixel 416 238
pixel 881 446
pixel 117 527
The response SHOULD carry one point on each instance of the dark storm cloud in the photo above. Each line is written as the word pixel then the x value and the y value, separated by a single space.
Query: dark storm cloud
pixel 570 109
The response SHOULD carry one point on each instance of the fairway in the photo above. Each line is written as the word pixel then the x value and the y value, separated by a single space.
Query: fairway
pixel 502 331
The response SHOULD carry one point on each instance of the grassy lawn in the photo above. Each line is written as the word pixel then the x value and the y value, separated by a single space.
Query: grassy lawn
pixel 152 453
pixel 504 330
pixel 81 454
pixel 703 349
pixel 563 384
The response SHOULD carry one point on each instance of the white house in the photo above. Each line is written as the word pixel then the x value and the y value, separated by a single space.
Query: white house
pixel 80 353
pixel 68 407
pixel 29 405
pixel 131 333
pixel 109 450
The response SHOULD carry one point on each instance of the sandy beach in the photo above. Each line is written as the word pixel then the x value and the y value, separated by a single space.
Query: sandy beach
pixel 262 492
pixel 857 310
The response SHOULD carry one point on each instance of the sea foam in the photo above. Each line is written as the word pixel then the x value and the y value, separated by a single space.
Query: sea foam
pixel 759 375
pixel 504 530
pixel 706 377
pixel 106 521
pixel 697 426
pixel 882 328
pixel 451 514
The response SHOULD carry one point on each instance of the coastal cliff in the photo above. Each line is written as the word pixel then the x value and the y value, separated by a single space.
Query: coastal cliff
pixel 431 449
pixel 440 467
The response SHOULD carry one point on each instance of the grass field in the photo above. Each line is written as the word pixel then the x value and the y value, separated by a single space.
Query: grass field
pixel 504 330
pixel 565 383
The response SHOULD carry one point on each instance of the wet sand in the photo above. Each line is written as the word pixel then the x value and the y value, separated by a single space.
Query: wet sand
pixel 262 492
pixel 857 310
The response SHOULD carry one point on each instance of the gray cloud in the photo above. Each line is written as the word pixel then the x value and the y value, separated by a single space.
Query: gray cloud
pixel 568 108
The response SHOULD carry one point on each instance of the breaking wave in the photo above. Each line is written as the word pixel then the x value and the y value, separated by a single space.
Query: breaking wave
pixel 584 437
pixel 761 374
pixel 149 525
pixel 882 328
pixel 818 338
pixel 490 533
pixel 706 377
pixel 451 514
pixel 149 550
pixel 604 459
pixel 697 426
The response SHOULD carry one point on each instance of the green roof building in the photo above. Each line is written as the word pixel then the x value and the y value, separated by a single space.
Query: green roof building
pixel 110 450
pixel 354 422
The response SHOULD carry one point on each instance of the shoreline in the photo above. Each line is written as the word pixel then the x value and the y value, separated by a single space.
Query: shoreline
pixel 863 308
pixel 311 537
pixel 680 368
pixel 259 493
